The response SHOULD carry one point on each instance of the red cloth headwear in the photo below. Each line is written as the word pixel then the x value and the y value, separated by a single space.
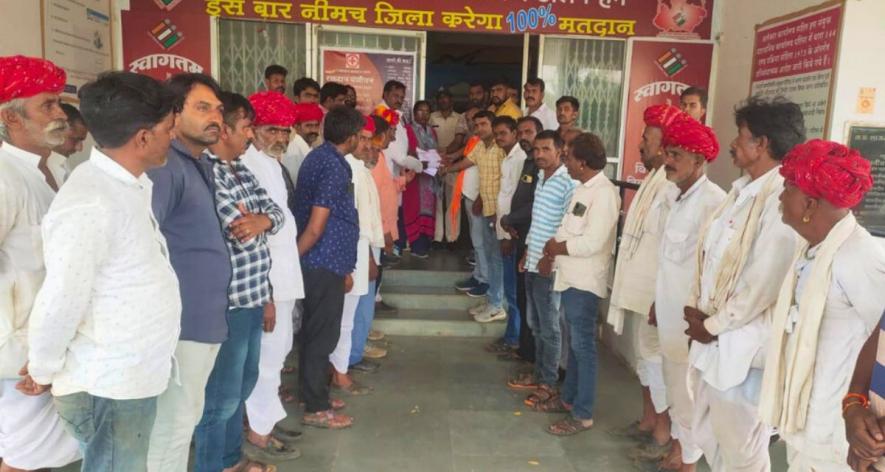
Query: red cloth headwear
pixel 661 116
pixel 24 77
pixel 307 112
pixel 370 124
pixel 390 116
pixel 828 170
pixel 272 108
pixel 693 137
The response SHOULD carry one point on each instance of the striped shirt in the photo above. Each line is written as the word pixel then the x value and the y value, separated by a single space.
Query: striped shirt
pixel 236 186
pixel 552 197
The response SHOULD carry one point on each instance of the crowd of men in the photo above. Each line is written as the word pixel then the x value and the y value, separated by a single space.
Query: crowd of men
pixel 151 296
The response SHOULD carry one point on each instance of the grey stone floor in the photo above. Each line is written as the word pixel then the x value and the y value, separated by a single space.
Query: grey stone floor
pixel 440 404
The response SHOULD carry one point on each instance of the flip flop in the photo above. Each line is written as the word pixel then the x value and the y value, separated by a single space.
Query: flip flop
pixel 327 420
pixel 568 426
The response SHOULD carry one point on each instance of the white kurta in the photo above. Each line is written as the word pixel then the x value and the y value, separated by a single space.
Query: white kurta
pixel 294 156
pixel 547 117
pixel 854 305
pixel 676 272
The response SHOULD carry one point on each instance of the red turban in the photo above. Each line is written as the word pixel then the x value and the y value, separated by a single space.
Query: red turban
pixel 390 116
pixel 828 170
pixel 661 116
pixel 307 112
pixel 370 124
pixel 692 136
pixel 24 77
pixel 272 108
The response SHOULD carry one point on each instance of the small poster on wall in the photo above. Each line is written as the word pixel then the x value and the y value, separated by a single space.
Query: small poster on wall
pixel 795 56
pixel 367 72
pixel 77 38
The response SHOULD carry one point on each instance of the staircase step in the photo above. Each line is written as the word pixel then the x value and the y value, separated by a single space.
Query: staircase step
pixel 423 297
pixel 428 278
pixel 410 322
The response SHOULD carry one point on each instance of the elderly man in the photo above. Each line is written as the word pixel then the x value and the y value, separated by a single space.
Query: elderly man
pixel 829 304
pixel 31 123
pixel 106 321
pixel 184 204
pixel 689 147
pixel 746 252
pixel 308 117
pixel 248 216
pixel 273 116
pixel 533 94
pixel 633 289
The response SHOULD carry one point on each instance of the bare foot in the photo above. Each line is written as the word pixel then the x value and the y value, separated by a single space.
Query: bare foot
pixel 661 432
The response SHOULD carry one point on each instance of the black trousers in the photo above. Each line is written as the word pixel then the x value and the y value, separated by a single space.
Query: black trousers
pixel 320 327
pixel 526 348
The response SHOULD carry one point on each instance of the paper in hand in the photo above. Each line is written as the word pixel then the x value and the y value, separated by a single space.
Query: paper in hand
pixel 432 159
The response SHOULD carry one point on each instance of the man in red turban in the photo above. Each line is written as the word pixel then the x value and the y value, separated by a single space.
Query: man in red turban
pixel 635 272
pixel 308 125
pixel 274 116
pixel 31 124
pixel 830 302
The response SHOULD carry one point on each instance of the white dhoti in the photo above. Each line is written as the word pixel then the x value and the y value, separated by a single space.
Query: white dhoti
pixel 649 363
pixel 264 408
pixel 727 427
pixel 340 357
pixel 800 462
pixel 681 409
pixel 32 435
pixel 180 407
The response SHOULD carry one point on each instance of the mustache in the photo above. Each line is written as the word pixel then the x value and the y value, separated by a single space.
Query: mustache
pixel 57 125
pixel 669 168
pixel 213 126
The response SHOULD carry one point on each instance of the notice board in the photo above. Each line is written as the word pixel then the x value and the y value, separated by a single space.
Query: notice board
pixel 795 56
pixel 869 140
pixel 77 38
pixel 367 71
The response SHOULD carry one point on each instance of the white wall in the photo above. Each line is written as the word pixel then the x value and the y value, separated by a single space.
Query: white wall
pixel 20 26
pixel 861 64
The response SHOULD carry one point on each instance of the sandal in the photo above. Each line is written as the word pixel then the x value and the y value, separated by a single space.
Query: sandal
pixel 542 394
pixel 375 335
pixel 568 427
pixel 525 381
pixel 354 389
pixel 274 451
pixel 246 465
pixel 553 404
pixel 285 434
pixel 327 420
pixel 334 402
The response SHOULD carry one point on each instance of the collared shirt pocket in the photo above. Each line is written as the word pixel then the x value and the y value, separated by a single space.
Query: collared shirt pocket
pixel 575 221
pixel 677 245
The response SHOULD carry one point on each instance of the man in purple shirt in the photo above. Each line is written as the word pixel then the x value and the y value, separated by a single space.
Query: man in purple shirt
pixel 184 204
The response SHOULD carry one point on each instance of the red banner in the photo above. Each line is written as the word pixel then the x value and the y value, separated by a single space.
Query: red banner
pixel 684 19
pixel 659 72
pixel 162 38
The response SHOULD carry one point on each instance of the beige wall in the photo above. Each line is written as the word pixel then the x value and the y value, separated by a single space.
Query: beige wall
pixel 20 27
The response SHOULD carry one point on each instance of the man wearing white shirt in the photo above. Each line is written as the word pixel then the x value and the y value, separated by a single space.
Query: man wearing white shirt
pixel 106 321
pixel 689 147
pixel 32 435
pixel 266 439
pixel 747 250
pixel 308 117
pixel 397 152
pixel 533 94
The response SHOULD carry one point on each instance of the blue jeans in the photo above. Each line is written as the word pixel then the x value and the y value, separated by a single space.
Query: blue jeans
pixel 113 434
pixel 511 334
pixel 219 436
pixel 362 324
pixel 543 320
pixel 579 389
pixel 480 270
pixel 492 253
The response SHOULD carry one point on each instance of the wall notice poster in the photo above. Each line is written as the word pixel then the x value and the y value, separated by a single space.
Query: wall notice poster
pixel 869 140
pixel 162 38
pixel 659 72
pixel 795 56
pixel 77 38
pixel 367 71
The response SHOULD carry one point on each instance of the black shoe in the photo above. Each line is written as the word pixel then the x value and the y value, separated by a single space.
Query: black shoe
pixel 366 366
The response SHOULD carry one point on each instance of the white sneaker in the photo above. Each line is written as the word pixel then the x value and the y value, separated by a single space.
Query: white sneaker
pixel 478 308
pixel 491 314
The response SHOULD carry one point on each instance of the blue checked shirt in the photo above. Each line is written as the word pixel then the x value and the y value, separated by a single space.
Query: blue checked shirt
pixel 236 185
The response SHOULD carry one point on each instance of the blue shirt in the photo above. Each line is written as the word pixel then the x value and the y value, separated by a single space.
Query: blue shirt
pixel 552 198
pixel 324 180
pixel 184 204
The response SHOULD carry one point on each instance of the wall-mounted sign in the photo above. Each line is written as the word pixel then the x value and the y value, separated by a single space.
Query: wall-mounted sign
pixel 77 38
pixel 368 71
pixel 869 140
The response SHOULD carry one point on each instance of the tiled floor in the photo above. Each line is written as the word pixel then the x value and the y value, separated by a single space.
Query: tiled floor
pixel 440 404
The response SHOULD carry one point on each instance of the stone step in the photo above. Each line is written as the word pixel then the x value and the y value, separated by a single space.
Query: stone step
pixel 427 298
pixel 427 278
pixel 409 322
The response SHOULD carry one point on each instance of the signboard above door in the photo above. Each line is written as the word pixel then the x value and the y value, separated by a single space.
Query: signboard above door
pixel 680 19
